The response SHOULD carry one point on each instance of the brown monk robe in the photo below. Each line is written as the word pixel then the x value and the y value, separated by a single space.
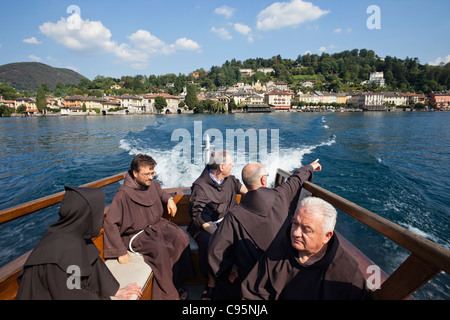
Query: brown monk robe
pixel 213 195
pixel 307 263
pixel 65 265
pixel 249 228
pixel 136 214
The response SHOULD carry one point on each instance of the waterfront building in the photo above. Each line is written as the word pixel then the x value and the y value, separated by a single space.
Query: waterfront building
pixel 29 103
pixel 172 103
pixel 369 101
pixel 413 98
pixel 342 98
pixel 134 104
pixel 73 102
pixel 440 100
pixel 247 97
pixel 281 100
pixel 8 103
pixel 395 99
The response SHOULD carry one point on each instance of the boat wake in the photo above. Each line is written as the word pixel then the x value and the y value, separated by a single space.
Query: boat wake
pixel 173 172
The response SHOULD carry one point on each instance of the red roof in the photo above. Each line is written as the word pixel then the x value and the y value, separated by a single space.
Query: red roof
pixel 164 95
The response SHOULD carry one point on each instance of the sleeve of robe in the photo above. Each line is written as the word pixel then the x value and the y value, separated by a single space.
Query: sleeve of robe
pixel 199 203
pixel 113 244
pixel 257 285
pixel 219 243
pixel 237 184
pixel 163 195
pixel 290 189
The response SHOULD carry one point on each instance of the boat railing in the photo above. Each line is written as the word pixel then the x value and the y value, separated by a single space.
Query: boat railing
pixel 45 202
pixel 426 260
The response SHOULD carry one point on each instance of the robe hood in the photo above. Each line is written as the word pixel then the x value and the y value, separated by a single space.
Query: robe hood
pixel 68 241
pixel 258 201
pixel 212 190
pixel 138 193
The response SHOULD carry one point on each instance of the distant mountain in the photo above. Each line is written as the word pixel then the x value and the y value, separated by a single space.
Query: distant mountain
pixel 29 75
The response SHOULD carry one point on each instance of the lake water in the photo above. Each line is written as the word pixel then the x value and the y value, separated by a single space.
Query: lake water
pixel 394 164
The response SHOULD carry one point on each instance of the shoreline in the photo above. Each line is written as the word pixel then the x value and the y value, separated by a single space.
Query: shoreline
pixel 15 115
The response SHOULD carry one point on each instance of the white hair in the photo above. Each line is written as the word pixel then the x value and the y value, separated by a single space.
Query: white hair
pixel 218 158
pixel 320 206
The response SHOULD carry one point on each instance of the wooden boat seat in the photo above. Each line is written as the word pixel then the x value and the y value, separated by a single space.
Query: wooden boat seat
pixel 138 270
pixel 135 271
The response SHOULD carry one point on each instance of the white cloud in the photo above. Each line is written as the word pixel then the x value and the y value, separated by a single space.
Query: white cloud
pixel 225 11
pixel 245 30
pixel 34 58
pixel 32 40
pixel 89 37
pixel 187 44
pixel 222 33
pixel 92 37
pixel 286 14
pixel 242 28
pixel 144 40
pixel 338 30
pixel 440 61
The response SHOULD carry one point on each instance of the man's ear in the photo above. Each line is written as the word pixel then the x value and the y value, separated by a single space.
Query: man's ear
pixel 263 181
pixel 135 174
pixel 328 236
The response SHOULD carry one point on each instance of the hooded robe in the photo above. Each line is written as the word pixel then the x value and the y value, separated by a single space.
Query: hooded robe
pixel 248 230
pixel 210 202
pixel 136 213
pixel 66 251
pixel 279 275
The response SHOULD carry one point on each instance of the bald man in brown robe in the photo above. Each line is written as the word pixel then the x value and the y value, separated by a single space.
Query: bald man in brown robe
pixel 248 229
pixel 134 223
pixel 308 263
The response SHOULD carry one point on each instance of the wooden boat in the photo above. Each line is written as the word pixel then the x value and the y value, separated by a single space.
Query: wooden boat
pixel 426 260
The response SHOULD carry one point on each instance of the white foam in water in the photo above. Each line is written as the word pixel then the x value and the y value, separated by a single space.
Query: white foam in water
pixel 174 172
pixel 419 232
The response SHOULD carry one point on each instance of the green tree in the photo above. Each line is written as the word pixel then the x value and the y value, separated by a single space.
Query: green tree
pixel 41 101
pixel 5 111
pixel 160 103
pixel 8 93
pixel 191 97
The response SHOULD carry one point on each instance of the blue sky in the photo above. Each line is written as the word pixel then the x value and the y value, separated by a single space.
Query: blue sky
pixel 115 38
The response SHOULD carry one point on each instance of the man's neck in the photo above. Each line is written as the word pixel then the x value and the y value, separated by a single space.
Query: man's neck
pixel 217 175
pixel 309 259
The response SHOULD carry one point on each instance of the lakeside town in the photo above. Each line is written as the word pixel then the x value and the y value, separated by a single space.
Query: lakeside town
pixel 241 97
